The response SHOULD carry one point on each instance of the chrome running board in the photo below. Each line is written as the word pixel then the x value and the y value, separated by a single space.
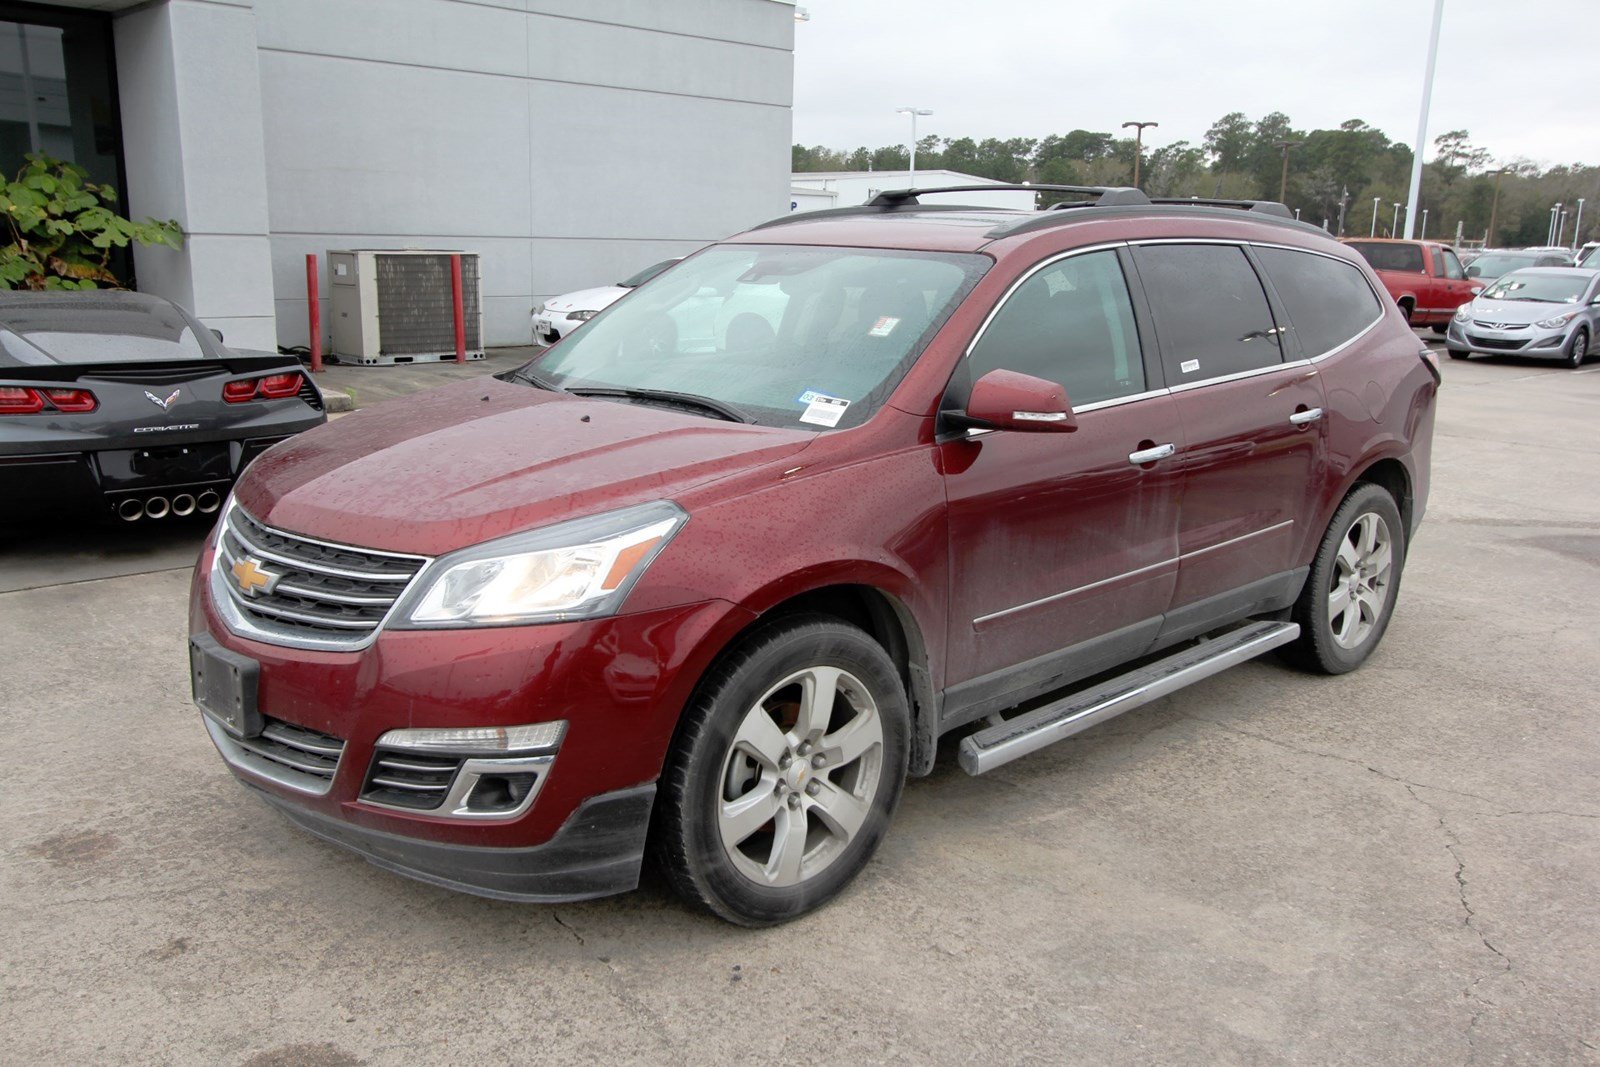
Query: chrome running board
pixel 1003 742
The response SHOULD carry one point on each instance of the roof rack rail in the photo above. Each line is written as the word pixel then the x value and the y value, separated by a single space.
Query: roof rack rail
pixel 1265 207
pixel 1107 195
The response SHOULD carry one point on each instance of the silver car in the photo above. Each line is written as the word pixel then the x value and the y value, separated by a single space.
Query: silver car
pixel 1545 312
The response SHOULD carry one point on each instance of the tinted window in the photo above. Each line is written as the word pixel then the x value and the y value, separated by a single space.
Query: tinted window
pixel 1211 312
pixel 1391 256
pixel 1452 266
pixel 42 328
pixel 1328 302
pixel 1072 324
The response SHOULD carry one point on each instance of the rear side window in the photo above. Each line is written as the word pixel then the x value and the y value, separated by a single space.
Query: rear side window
pixel 1391 257
pixel 1071 323
pixel 1211 312
pixel 1328 301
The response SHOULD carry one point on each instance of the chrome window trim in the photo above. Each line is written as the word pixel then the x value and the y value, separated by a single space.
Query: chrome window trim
pixel 1174 561
pixel 1239 376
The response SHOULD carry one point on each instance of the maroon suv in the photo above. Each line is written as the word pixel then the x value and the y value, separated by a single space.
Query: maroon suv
pixel 714 574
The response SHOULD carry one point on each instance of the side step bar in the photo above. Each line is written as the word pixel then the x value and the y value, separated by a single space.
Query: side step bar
pixel 1005 741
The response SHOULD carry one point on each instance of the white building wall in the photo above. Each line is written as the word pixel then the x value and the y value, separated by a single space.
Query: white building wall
pixel 568 142
pixel 854 187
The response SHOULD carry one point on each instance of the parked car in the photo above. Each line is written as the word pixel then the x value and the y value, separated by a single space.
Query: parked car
pixel 1425 278
pixel 1589 256
pixel 560 315
pixel 721 603
pixel 1545 312
pixel 118 403
pixel 1496 262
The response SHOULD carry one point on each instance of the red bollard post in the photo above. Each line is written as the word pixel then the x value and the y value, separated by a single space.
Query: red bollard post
pixel 460 309
pixel 314 311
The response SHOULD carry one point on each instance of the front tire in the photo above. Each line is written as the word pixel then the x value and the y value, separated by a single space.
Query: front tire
pixel 1350 594
pixel 1458 353
pixel 1578 348
pixel 785 773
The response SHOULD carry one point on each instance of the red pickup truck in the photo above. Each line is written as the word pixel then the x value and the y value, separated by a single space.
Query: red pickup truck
pixel 1424 277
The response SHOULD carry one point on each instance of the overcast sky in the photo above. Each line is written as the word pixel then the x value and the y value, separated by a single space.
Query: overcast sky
pixel 1520 76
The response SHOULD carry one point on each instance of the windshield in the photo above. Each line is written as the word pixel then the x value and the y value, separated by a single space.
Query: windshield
pixel 1494 264
pixel 1545 288
pixel 1385 256
pixel 645 275
pixel 798 337
pixel 1591 259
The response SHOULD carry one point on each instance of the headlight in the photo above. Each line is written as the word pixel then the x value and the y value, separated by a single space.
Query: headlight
pixel 581 569
pixel 538 309
pixel 1557 321
pixel 582 316
pixel 1463 313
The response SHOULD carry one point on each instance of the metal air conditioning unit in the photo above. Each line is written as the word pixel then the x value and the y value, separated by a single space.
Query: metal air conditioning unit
pixel 397 306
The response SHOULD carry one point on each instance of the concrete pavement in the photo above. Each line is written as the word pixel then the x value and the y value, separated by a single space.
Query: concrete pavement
pixel 1397 866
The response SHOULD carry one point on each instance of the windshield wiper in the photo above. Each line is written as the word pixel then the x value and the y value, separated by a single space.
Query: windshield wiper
pixel 666 396
pixel 535 379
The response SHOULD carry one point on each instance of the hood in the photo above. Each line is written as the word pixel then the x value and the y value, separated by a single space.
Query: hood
pixel 481 459
pixel 1518 312
pixel 596 299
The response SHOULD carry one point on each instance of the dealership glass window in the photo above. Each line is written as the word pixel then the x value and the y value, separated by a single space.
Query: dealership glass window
pixel 1210 310
pixel 57 92
pixel 1328 301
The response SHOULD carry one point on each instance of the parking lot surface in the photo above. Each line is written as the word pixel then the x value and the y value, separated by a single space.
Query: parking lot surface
pixel 1398 865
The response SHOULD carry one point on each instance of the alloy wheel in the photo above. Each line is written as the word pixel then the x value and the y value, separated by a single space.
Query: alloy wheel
pixel 800 776
pixel 1360 586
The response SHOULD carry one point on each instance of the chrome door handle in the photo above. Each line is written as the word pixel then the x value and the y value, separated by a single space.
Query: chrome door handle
pixel 1150 455
pixel 1301 418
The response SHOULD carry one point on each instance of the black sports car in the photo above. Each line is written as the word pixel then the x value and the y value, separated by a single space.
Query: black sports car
pixel 122 402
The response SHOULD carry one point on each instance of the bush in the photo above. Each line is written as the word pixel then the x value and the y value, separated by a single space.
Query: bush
pixel 62 228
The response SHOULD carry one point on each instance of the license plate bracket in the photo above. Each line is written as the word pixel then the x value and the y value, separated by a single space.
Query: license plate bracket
pixel 225 686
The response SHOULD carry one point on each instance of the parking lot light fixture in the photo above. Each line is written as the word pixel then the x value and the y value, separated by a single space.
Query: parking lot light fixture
pixel 1423 234
pixel 911 181
pixel 1138 145
pixel 1375 201
pixel 1494 205
pixel 1577 226
pixel 1394 227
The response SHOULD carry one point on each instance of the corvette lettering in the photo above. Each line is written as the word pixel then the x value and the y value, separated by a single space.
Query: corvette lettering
pixel 160 429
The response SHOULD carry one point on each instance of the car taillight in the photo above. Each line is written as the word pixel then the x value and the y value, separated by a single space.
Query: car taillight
pixel 17 400
pixel 272 387
pixel 71 400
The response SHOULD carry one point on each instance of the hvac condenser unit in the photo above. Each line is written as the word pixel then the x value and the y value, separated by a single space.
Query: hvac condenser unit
pixel 397 306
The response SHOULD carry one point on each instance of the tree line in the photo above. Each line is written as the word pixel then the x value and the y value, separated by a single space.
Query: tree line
pixel 1334 176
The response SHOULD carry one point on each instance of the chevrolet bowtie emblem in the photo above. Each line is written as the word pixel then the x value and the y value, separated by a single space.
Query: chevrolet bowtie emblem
pixel 252 578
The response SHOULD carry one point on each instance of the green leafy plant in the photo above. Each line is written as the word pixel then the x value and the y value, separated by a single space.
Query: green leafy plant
pixel 62 228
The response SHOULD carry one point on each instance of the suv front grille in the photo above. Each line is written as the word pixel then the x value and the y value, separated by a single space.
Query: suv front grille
pixel 305 591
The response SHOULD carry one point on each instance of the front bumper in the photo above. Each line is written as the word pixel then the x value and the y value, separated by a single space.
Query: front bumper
pixel 618 683
pixel 551 326
pixel 1529 341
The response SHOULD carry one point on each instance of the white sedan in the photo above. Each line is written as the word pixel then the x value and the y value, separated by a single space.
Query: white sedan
pixel 560 315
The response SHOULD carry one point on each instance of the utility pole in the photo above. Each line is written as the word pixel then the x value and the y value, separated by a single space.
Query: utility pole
pixel 1494 206
pixel 1138 145
pixel 1283 180
pixel 1344 200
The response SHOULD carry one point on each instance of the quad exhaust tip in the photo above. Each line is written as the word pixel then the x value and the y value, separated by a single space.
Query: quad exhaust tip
pixel 156 507
pixel 182 505
pixel 208 502
pixel 130 510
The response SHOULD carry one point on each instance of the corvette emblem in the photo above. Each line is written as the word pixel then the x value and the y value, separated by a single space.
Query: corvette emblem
pixel 158 402
pixel 252 578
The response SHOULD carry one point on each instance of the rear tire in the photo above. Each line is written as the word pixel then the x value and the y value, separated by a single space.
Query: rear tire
pixel 1350 594
pixel 1441 328
pixel 785 772
pixel 1578 348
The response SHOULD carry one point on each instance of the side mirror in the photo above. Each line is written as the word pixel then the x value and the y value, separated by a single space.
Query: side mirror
pixel 217 334
pixel 1473 272
pixel 1008 400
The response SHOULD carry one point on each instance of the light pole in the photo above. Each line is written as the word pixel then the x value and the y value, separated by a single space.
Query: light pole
pixel 1422 118
pixel 1138 145
pixel 1550 232
pixel 1374 232
pixel 1494 206
pixel 1577 226
pixel 1394 227
pixel 1423 236
pixel 1283 179
pixel 913 112
pixel 1561 226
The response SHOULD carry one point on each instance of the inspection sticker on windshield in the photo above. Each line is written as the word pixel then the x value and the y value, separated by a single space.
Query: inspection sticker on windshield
pixel 884 326
pixel 822 409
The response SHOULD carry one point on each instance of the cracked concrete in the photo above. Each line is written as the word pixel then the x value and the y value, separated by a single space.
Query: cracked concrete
pixel 1394 866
